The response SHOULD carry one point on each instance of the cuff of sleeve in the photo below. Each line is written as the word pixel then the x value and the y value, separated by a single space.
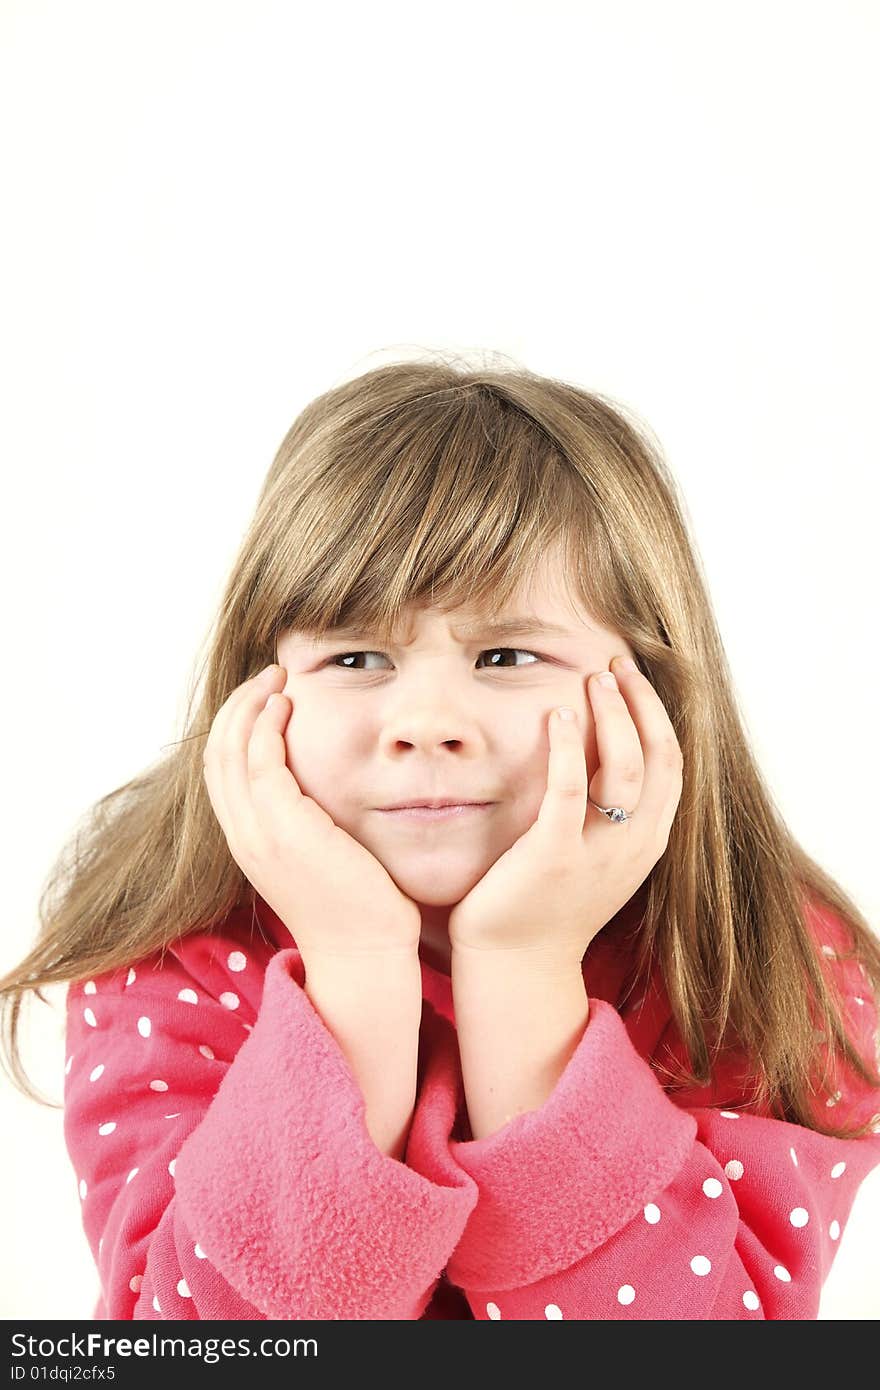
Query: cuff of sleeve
pixel 557 1182
pixel 285 1190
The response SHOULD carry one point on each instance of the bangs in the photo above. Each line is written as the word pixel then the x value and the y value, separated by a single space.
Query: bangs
pixel 452 503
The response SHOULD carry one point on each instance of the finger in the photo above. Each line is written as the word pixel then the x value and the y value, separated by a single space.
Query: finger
pixel 285 814
pixel 564 806
pixel 663 763
pixel 273 790
pixel 225 755
pixel 619 778
pixel 250 692
pixel 234 755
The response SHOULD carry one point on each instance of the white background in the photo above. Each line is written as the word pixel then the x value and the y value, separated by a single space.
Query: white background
pixel 214 211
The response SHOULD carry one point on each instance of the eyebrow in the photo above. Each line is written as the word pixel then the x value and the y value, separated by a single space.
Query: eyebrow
pixel 506 627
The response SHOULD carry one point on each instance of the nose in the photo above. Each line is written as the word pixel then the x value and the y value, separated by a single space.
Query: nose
pixel 430 727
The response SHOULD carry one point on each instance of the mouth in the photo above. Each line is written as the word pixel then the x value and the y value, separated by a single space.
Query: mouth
pixel 438 810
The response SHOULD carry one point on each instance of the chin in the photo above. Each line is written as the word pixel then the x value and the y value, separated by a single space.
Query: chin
pixel 439 887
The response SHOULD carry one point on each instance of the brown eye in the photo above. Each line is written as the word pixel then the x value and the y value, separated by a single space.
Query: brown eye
pixel 349 657
pixel 496 665
pixel 346 656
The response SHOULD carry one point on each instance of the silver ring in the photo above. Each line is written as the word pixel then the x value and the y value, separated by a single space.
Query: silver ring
pixel 614 813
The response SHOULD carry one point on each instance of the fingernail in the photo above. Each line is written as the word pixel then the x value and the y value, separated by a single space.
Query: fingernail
pixel 606 678
pixel 566 712
pixel 626 663
pixel 268 671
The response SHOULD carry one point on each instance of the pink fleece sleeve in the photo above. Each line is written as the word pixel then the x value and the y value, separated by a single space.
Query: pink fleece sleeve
pixel 613 1201
pixel 227 1173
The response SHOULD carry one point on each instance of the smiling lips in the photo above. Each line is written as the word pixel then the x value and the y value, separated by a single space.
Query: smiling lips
pixel 435 810
pixel 434 802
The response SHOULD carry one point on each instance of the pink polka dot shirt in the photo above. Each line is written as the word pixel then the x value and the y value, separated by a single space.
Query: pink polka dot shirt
pixel 224 1168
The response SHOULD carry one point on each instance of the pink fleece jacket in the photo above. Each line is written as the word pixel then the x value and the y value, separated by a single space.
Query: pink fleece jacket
pixel 225 1169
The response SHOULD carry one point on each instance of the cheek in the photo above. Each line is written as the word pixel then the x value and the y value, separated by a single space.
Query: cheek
pixel 313 755
pixel 529 785
pixel 530 778
pixel 591 748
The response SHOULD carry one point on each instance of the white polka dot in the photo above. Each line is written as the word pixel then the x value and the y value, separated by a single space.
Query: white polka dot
pixel 734 1169
pixel 236 960
pixel 248 1026
pixel 188 996
pixel 90 1019
pixel 782 1273
pixel 626 1293
pixel 832 1100
pixel 712 1187
pixel 858 998
pixel 829 951
pixel 493 1310
pixel 174 1115
pixel 69 1064
pixel 229 1000
pixel 90 987
pixel 793 1157
pixel 132 1173
pixel 652 1214
pixel 200 1254
pixel 156 1304
pixel 799 1217
pixel 130 977
pixel 751 1299
pixel 183 1289
pixel 135 1282
pixel 553 1310
pixel 834 1230
pixel 96 1072
pixel 206 1051
pixel 83 1188
pixel 144 1027
pixel 729 1114
pixel 108 1128
pixel 171 1166
pixel 700 1265
pixel 158 1085
pixel 838 1169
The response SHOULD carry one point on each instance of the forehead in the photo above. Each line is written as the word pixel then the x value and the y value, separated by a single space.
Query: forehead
pixel 544 594
pixel 543 602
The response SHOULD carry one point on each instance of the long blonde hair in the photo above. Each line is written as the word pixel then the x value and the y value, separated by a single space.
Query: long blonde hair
pixel 429 481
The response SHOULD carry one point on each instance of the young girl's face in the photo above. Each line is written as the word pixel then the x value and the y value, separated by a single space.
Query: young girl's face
pixel 450 710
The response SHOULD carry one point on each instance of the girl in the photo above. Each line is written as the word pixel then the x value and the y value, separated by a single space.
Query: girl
pixel 596 1041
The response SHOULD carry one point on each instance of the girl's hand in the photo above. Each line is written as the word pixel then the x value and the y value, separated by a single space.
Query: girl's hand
pixel 334 897
pixel 559 884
